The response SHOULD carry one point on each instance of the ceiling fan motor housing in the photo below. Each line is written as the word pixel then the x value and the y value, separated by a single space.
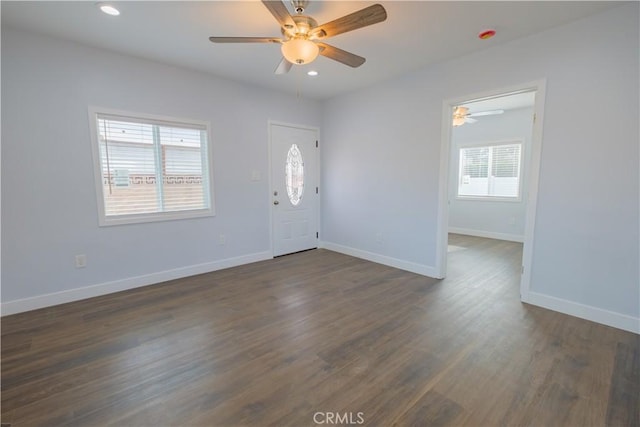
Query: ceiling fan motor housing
pixel 304 24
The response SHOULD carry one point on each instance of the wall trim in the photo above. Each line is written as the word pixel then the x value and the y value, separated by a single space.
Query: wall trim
pixel 587 312
pixel 487 234
pixel 48 300
pixel 424 270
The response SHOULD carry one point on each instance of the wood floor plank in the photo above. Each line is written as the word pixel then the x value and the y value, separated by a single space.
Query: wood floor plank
pixel 274 342
pixel 432 409
pixel 624 399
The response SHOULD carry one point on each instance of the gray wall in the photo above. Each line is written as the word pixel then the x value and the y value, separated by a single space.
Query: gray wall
pixel 493 218
pixel 382 149
pixel 49 210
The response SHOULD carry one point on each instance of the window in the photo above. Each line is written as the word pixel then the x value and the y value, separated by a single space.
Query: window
pixel 150 169
pixel 490 171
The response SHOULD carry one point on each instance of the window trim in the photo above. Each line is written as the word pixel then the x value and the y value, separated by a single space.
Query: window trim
pixel 510 141
pixel 103 219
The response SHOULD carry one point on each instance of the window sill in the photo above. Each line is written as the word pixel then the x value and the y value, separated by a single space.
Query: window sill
pixel 155 217
pixel 489 199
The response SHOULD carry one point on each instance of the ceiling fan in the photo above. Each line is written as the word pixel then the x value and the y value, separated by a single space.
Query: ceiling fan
pixel 461 115
pixel 303 39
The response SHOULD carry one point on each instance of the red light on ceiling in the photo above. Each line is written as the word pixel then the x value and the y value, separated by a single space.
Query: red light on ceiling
pixel 486 34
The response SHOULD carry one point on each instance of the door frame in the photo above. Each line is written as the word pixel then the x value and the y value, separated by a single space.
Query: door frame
pixel 271 123
pixel 531 193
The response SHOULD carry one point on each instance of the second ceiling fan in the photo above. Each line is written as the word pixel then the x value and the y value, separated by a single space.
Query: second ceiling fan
pixel 303 39
pixel 461 115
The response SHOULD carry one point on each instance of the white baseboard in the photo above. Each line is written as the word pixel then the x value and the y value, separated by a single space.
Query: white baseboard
pixel 487 234
pixel 594 314
pixel 47 300
pixel 424 270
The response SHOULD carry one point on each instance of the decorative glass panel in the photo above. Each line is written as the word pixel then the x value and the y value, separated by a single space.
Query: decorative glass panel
pixel 294 175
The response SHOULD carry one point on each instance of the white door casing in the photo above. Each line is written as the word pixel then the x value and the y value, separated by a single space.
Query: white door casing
pixel 530 194
pixel 294 214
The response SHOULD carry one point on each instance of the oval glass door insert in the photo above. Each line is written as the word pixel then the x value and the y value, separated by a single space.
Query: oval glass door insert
pixel 294 175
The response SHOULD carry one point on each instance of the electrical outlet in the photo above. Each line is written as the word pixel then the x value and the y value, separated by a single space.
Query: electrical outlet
pixel 379 237
pixel 81 261
pixel 512 220
pixel 222 239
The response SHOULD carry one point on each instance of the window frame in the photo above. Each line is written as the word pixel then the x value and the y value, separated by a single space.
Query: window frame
pixel 110 220
pixel 488 198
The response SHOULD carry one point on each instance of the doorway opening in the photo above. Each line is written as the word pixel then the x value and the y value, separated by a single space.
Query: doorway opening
pixel 490 163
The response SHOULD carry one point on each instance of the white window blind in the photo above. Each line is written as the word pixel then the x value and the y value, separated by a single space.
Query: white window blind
pixel 152 169
pixel 491 171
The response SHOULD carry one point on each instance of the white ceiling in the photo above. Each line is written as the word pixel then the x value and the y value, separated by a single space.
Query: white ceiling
pixel 415 34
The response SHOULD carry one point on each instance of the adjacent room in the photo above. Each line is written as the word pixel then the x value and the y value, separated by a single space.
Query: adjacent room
pixel 251 213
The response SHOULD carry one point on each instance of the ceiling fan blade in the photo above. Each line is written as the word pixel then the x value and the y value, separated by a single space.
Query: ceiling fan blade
pixel 245 40
pixel 280 12
pixel 485 113
pixel 469 120
pixel 362 18
pixel 283 67
pixel 340 55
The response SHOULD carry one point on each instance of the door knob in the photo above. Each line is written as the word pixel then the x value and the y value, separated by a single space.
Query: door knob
pixel 275 202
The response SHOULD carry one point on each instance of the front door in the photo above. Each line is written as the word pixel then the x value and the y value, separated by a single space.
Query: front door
pixel 294 191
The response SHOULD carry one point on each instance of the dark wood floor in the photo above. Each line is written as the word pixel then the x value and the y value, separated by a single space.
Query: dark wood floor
pixel 275 342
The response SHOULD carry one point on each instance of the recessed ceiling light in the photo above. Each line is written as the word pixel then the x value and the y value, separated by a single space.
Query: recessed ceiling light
pixel 108 9
pixel 312 73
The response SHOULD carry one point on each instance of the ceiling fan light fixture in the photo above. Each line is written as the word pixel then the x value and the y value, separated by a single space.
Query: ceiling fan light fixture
pixel 300 51
pixel 458 121
pixel 459 115
pixel 303 39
